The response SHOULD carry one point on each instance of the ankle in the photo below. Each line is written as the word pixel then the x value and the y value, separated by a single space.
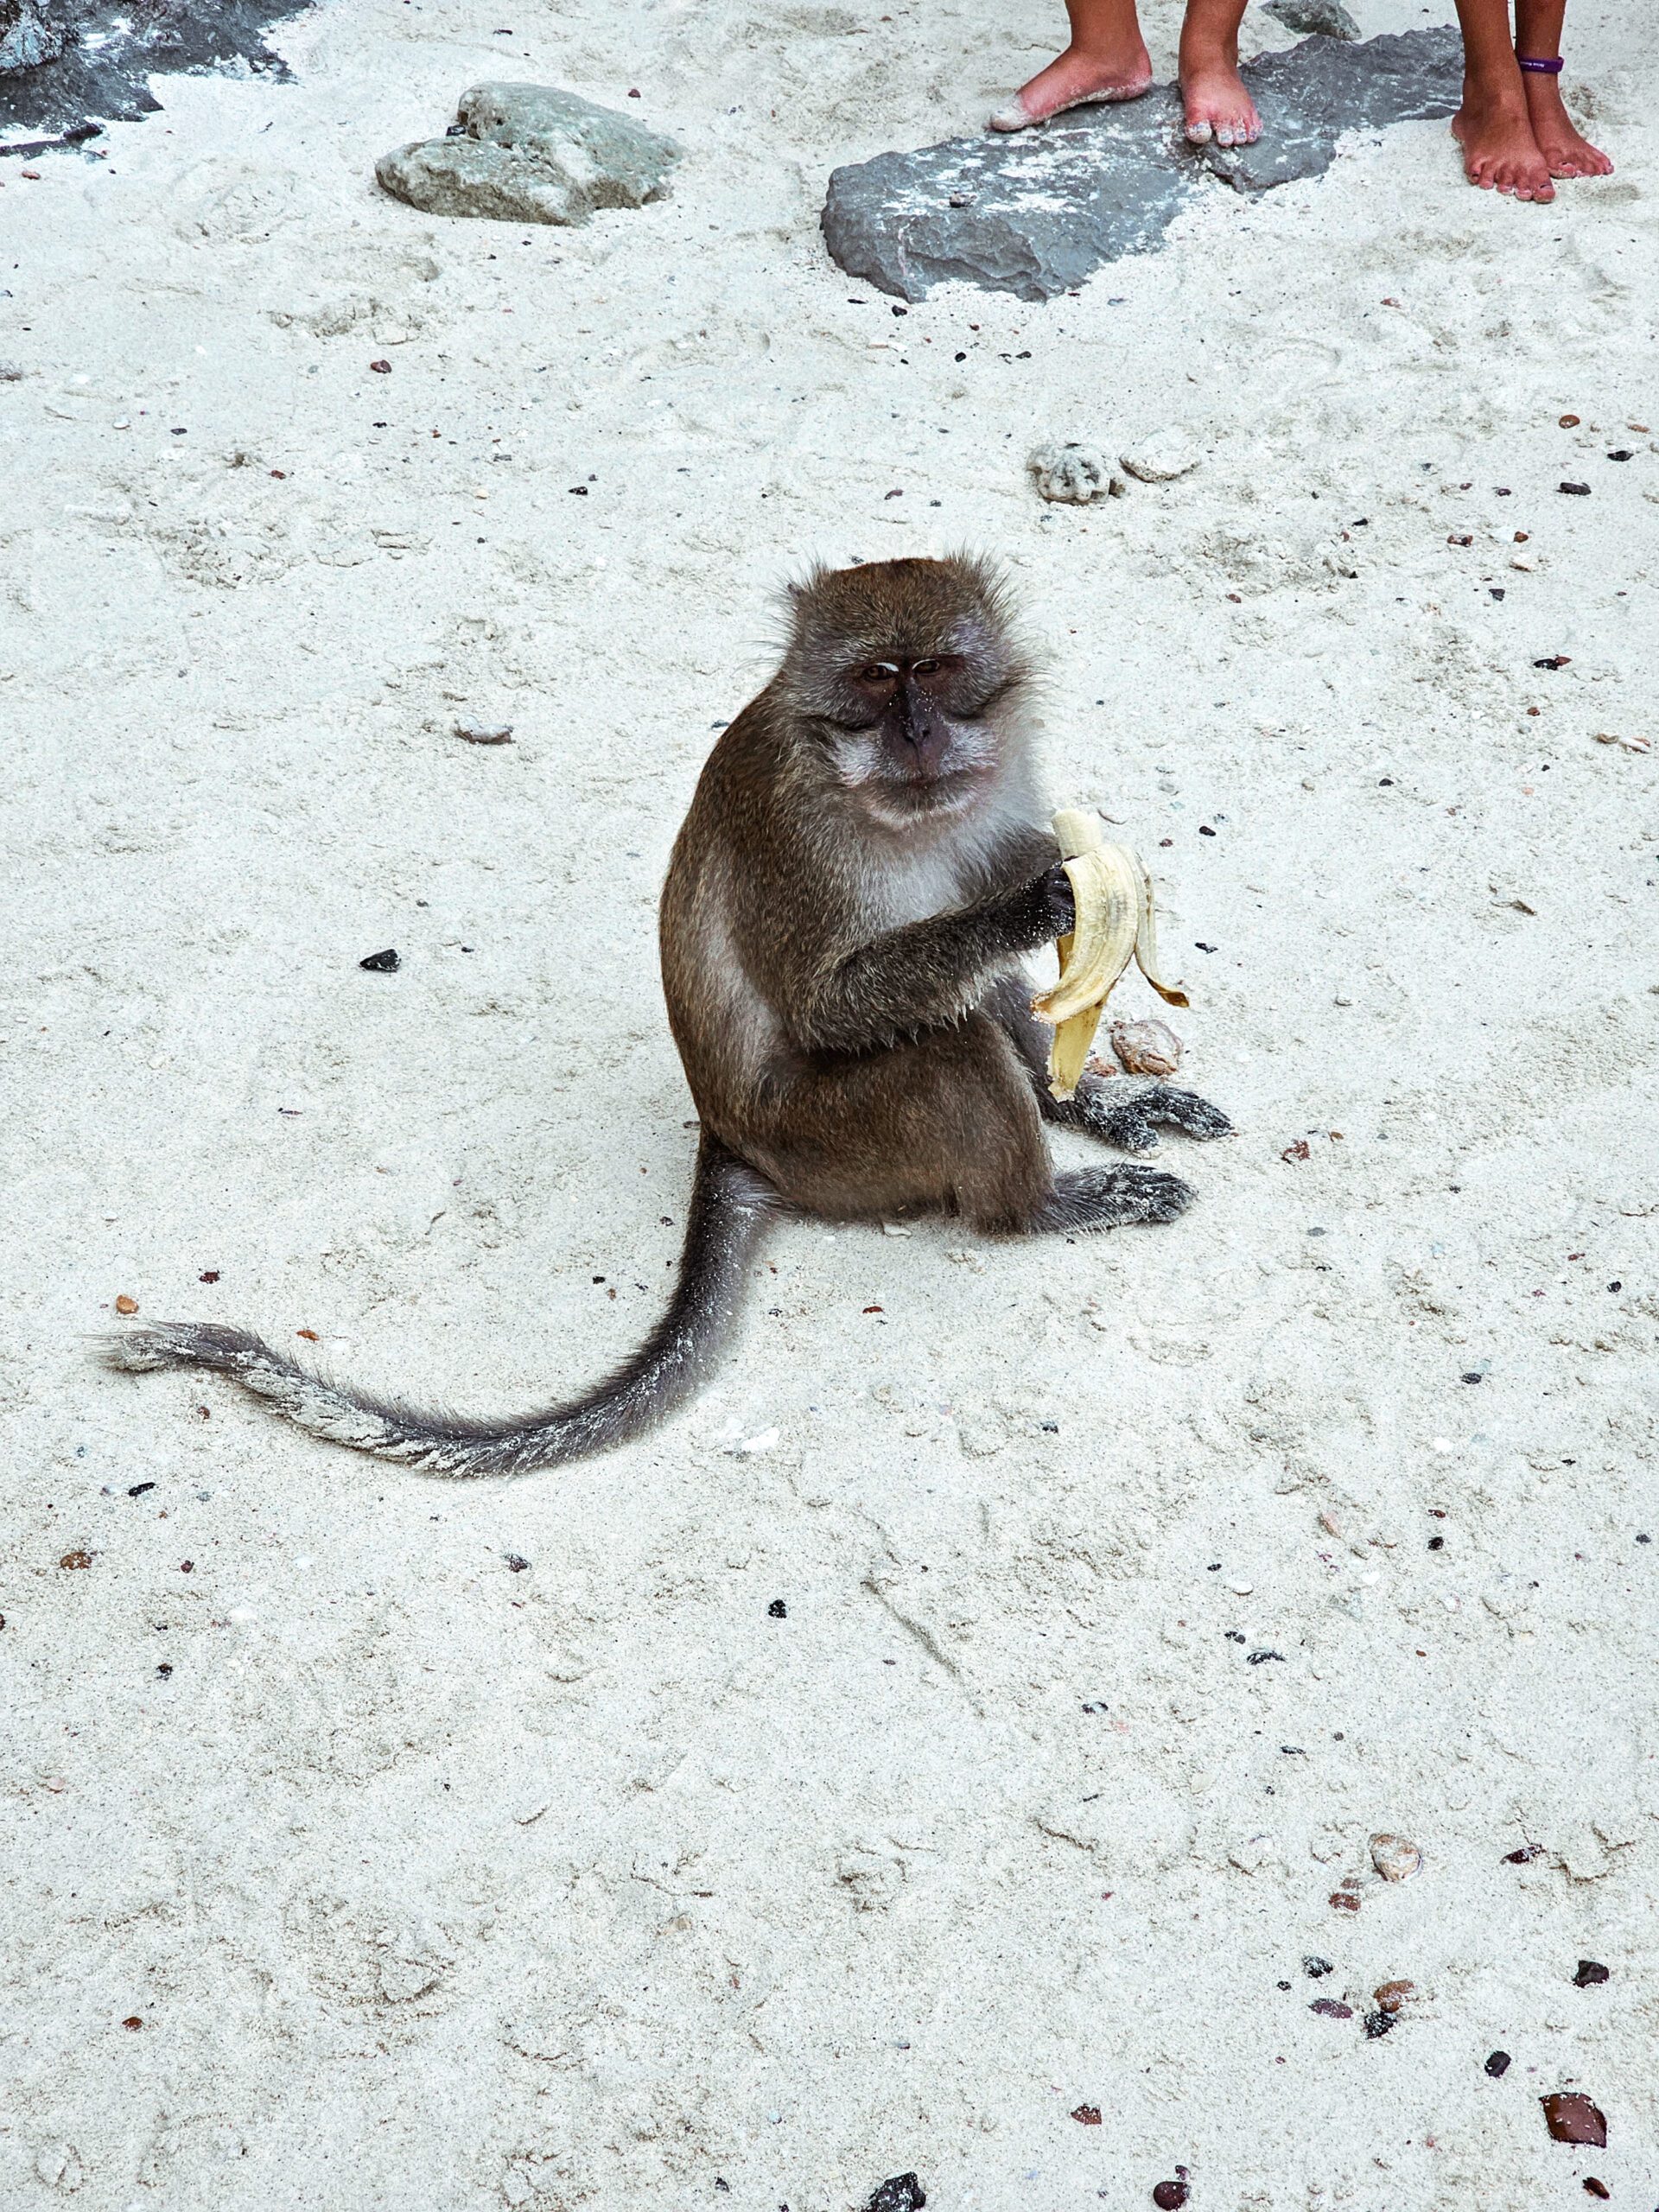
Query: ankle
pixel 1495 92
pixel 1118 51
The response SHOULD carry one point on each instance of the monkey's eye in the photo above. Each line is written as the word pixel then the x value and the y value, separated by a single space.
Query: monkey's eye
pixel 925 667
pixel 878 671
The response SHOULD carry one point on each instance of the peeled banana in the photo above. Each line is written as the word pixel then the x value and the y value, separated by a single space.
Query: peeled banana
pixel 1114 925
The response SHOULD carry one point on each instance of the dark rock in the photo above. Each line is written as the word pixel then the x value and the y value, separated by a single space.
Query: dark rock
pixel 31 32
pixel 63 60
pixel 530 154
pixel 1497 2064
pixel 1571 2117
pixel 1036 212
pixel 898 2193
pixel 1590 1971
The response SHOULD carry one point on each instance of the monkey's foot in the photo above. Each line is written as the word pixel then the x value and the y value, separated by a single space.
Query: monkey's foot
pixel 1109 1198
pixel 1119 71
pixel 1132 1121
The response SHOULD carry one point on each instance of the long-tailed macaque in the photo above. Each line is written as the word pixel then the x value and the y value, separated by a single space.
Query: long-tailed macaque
pixel 846 913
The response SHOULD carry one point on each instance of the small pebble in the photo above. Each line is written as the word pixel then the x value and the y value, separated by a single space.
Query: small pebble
pixel 1395 1859
pixel 125 1305
pixel 777 1611
pixel 382 963
pixel 1576 490
pixel 898 2193
pixel 1086 2115
pixel 1379 2023
pixel 1590 1971
pixel 1316 1966
pixel 1391 1996
pixel 1571 2117
pixel 515 1564
pixel 132 2022
pixel 1497 2064
pixel 485 733
pixel 73 1560
pixel 1145 1047
pixel 1594 2188
pixel 1331 2009
pixel 1170 2195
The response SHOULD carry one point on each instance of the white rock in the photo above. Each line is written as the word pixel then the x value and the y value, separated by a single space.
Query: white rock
pixel 1072 472
pixel 1394 1858
pixel 1162 457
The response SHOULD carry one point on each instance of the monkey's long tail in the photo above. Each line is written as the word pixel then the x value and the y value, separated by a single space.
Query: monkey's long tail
pixel 730 1205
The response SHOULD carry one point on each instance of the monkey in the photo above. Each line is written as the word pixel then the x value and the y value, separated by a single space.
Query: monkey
pixel 843 924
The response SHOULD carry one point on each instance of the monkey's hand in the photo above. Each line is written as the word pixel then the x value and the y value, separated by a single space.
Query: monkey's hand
pixel 1042 910
pixel 1130 1117
pixel 932 971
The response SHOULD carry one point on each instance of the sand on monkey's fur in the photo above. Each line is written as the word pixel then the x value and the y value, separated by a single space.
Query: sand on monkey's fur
pixel 437 1881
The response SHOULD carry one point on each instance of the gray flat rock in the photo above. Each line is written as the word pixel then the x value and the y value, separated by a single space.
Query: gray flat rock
pixel 530 154
pixel 1038 211
pixel 1311 94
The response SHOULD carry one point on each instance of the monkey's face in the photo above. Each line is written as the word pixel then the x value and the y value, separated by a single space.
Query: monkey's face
pixel 908 673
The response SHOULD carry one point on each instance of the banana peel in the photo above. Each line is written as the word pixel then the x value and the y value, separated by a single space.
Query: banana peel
pixel 1116 924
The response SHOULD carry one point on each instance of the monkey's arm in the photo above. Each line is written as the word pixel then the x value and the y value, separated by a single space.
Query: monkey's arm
pixel 928 972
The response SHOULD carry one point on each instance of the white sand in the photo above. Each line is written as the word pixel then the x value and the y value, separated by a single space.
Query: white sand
pixel 440 1885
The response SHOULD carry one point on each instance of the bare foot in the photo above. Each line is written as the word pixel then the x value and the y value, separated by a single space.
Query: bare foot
pixel 1218 106
pixel 1499 151
pixel 1565 151
pixel 1212 93
pixel 1080 78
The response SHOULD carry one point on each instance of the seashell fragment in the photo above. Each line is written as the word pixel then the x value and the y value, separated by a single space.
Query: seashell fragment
pixel 1394 1858
pixel 1145 1047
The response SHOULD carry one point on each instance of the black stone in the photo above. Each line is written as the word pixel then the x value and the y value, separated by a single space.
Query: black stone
pixel 1498 2064
pixel 382 963
pixel 1036 212
pixel 898 2193
pixel 136 39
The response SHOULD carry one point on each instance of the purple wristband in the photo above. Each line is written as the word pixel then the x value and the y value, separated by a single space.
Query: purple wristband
pixel 1542 68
